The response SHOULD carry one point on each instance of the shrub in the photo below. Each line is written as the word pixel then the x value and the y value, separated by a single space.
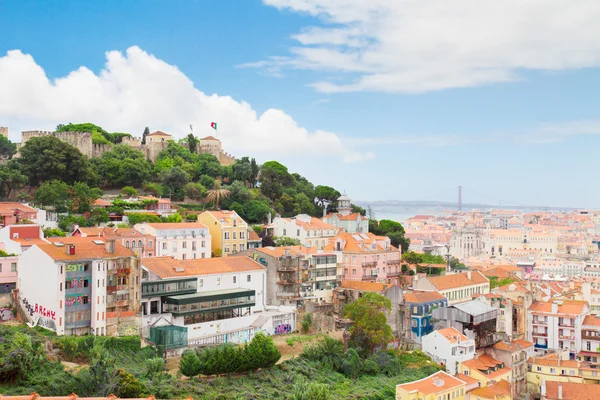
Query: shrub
pixel 130 191
pixel 189 365
pixel 128 386
pixel 307 321
pixel 155 366
pixel 351 364
pixel 370 367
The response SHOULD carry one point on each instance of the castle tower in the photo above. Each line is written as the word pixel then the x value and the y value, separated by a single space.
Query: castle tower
pixel 4 131
pixel 344 204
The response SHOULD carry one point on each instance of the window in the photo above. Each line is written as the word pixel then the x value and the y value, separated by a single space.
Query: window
pixel 183 256
pixel 539 369
pixel 234 279
pixel 571 372
pixel 353 272
pixel 13 267
pixel 284 232
pixel 201 282
pixel 297 232
pixel 226 249
pixel 164 245
pixel 235 235
pixel 150 243
pixel 203 255
pixel 234 247
pixel 242 235
pixel 553 371
pixel 133 244
pixel 218 280
pixel 60 283
pixel 226 235
pixel 414 323
pixel 242 247
pixel 184 245
pixel 248 278
pixel 127 244
pixel 140 245
pixel 194 246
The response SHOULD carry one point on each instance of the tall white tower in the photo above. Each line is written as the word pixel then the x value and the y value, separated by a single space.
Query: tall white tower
pixel 344 204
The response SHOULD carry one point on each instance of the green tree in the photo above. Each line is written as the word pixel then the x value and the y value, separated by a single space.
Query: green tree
pixel 55 194
pixel 216 195
pixel 7 148
pixel 326 195
pixel 370 329
pixel 189 364
pixel 307 321
pixel 192 141
pixel 12 178
pixel 262 351
pixel 53 232
pixel 146 133
pixel 84 196
pixel 207 182
pixel 99 216
pixel 128 386
pixel 242 170
pixel 195 191
pixel 286 241
pixel 48 158
pixel 255 170
pixel 305 390
pixel 123 166
pixel 412 258
pixel 175 179
pixel 273 178
pixel 256 210
pixel 129 191
pixel 66 222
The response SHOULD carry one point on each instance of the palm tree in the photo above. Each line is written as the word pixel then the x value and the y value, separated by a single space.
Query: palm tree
pixel 217 194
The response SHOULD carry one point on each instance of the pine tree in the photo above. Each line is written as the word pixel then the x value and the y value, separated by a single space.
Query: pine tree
pixel 146 133
pixel 189 365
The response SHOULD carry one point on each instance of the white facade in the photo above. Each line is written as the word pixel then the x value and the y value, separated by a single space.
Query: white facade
pixel 186 240
pixel 449 347
pixel 42 290
pixel 556 325
pixel 308 230
pixel 457 288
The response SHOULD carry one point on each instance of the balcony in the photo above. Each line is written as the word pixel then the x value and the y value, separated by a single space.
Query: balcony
pixel 540 322
pixel 541 345
pixel 287 281
pixel 369 277
pixel 569 338
pixel 122 303
pixel 393 262
pixel 370 264
pixel 123 271
pixel 543 334
pixel 588 336
pixel 394 274
pixel 566 324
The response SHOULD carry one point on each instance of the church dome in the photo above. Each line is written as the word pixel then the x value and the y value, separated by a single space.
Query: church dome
pixel 344 197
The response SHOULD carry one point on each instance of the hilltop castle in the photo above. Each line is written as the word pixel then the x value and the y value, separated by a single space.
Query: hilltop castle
pixel 155 143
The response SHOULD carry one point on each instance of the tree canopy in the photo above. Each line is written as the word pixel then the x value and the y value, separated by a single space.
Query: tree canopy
pixel 370 329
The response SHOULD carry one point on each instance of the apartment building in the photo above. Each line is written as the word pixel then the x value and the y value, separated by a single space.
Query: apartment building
pixel 440 385
pixel 228 230
pixel 457 288
pixel 514 355
pixel 345 219
pixel 367 257
pixel 448 347
pixel 298 274
pixel 590 352
pixel 310 231
pixel 81 286
pixel 16 213
pixel 184 240
pixel 8 271
pixel 551 368
pixel 418 307
pixel 141 245
pixel 210 301
pixel 485 369
pixel 556 325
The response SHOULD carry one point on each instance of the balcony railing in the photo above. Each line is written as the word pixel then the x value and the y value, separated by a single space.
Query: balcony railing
pixel 567 324
pixel 287 282
pixel 540 322
pixel 393 262
pixel 123 271
pixel 394 274
pixel 540 334
pixel 369 264
pixel 369 277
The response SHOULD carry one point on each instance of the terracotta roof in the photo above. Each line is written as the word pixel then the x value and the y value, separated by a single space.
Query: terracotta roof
pixel 485 362
pixel 452 335
pixel 158 133
pixel 167 267
pixel 8 208
pixel 253 236
pixel 209 138
pixel 591 320
pixel 515 345
pixel 422 296
pixel 226 216
pixel 356 243
pixel 457 280
pixel 103 203
pixel 572 391
pixel 281 251
pixel 35 396
pixel 502 388
pixel 351 217
pixel 364 286
pixel 176 225
pixel 85 249
pixel 161 200
pixel 468 380
pixel 315 223
pixel 523 343
pixel 553 360
pixel 30 242
pixel 428 385
pixel 572 307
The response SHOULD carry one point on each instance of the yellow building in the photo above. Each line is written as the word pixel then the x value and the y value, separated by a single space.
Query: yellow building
pixel 439 386
pixel 485 369
pixel 229 232
pixel 551 368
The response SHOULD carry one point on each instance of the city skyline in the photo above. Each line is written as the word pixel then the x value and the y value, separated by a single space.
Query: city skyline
pixel 334 90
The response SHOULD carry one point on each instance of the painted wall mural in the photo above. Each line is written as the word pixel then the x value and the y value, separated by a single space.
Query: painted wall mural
pixel 261 260
pixel 77 299
pixel 283 328
pixel 6 314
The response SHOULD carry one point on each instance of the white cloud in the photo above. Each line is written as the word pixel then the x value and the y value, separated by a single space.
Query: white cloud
pixel 425 45
pixel 135 90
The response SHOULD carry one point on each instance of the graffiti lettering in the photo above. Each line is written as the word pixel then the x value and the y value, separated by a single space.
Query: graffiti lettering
pixel 43 311
pixel 6 314
pixel 261 260
pixel 47 323
pixel 283 328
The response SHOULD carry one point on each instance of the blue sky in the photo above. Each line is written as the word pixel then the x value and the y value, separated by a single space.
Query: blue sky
pixel 410 101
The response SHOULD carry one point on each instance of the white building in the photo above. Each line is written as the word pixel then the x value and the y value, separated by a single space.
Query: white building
pixel 457 288
pixel 556 324
pixel 80 287
pixel 184 240
pixel 448 347
pixel 308 230
pixel 345 219
pixel 217 300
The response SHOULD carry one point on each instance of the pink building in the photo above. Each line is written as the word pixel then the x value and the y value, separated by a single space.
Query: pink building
pixel 8 272
pixel 367 257
pixel 15 213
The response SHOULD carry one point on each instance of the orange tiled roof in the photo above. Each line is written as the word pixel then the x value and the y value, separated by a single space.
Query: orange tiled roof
pixel 553 360
pixel 315 223
pixel 572 307
pixel 158 133
pixel 355 243
pixel 572 391
pixel 421 296
pixel 102 203
pixel 281 251
pixel 591 320
pixel 85 249
pixel 8 208
pixel 168 267
pixel 502 388
pixel 427 386
pixel 364 286
pixel 467 379
pixel 209 138
pixel 452 335
pixel 253 236
pixel 457 280
pixel 523 343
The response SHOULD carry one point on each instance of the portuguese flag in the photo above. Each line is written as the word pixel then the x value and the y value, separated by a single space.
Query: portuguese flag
pixel 213 125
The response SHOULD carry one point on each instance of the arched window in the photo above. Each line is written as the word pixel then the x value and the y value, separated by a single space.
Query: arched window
pixel 140 244
pixel 127 244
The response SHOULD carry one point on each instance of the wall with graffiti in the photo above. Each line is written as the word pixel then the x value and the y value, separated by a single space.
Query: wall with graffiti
pixel 77 283
pixel 76 299
pixel 6 314
pixel 283 328
pixel 256 257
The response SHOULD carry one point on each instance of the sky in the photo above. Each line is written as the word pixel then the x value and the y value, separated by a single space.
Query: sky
pixel 385 99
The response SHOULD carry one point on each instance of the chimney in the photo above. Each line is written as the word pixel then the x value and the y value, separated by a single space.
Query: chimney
pixel 109 246
pixel 560 391
pixel 469 275
pixel 70 249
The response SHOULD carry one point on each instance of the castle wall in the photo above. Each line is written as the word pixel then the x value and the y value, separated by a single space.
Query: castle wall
pixel 132 141
pixel 4 131
pixel 99 149
pixel 226 159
